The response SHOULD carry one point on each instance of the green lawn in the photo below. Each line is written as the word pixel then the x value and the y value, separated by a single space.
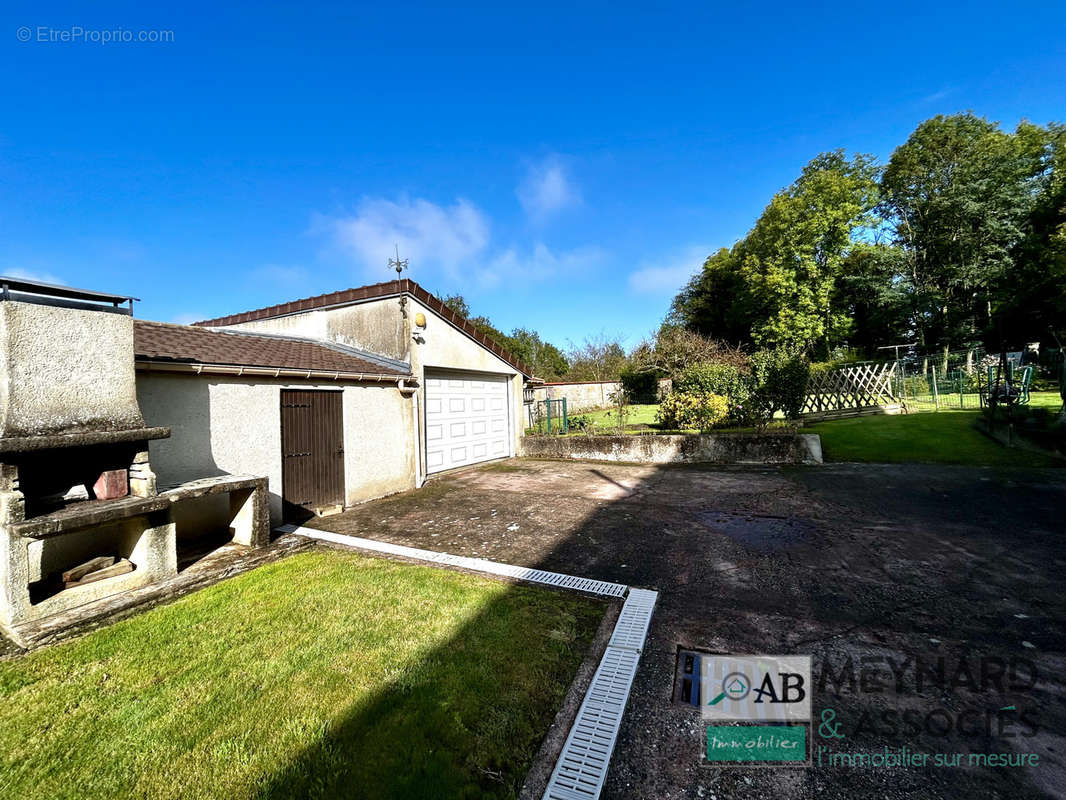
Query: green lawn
pixel 972 402
pixel 641 418
pixel 327 674
pixel 606 421
pixel 943 437
pixel 1045 400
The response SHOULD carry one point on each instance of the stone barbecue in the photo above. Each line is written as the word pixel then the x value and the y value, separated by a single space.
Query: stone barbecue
pixel 81 517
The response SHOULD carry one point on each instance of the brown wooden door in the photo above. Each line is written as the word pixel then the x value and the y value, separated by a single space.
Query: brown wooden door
pixel 312 451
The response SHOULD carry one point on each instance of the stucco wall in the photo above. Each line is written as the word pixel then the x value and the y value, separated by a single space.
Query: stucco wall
pixel 311 324
pixel 378 326
pixel 65 370
pixel 379 442
pixel 375 326
pixel 579 396
pixel 223 425
pixel 440 345
pixel 584 396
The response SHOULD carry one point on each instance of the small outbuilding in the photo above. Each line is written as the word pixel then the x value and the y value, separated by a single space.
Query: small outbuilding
pixel 337 399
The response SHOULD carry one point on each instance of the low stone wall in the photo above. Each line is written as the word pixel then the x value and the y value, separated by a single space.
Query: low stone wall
pixel 710 448
pixel 1017 437
pixel 585 396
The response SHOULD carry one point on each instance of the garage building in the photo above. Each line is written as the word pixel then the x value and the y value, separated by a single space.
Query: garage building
pixel 338 399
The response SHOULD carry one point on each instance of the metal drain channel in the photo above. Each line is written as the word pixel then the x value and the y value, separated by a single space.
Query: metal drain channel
pixel 603 588
pixel 582 766
pixel 586 755
pixel 632 627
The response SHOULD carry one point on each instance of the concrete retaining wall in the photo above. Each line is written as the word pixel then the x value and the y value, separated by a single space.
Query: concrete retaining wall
pixel 585 396
pixel 713 448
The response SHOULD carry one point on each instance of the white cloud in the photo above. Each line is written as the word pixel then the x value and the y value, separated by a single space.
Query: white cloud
pixel 188 318
pixel 32 275
pixel 936 97
pixel 546 189
pixel 539 264
pixel 669 275
pixel 449 245
pixel 428 234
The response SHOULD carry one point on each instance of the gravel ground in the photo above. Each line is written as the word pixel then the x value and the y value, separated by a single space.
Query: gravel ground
pixel 842 561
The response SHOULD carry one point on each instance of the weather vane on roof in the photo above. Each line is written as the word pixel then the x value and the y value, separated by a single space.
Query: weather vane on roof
pixel 399 264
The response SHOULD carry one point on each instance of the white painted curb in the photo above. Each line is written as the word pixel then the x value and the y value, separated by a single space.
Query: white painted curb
pixel 581 770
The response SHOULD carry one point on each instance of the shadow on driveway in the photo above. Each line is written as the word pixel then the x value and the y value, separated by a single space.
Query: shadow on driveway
pixel 844 562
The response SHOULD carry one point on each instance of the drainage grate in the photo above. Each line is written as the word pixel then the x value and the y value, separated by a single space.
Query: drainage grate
pixel 604 588
pixel 632 626
pixel 582 766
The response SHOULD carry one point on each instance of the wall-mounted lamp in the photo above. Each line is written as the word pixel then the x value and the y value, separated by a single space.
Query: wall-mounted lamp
pixel 420 320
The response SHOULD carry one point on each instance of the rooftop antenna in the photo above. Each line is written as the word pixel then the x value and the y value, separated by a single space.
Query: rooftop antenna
pixel 399 264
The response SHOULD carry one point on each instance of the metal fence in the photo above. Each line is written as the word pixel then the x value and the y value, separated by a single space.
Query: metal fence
pixel 926 387
pixel 956 380
pixel 549 416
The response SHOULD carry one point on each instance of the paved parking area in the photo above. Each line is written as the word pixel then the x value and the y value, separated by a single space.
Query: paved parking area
pixel 900 565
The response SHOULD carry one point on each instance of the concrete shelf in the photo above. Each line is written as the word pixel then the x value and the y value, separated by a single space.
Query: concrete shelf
pixel 87 513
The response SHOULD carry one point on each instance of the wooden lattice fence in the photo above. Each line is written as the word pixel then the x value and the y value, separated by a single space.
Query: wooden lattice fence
pixel 863 388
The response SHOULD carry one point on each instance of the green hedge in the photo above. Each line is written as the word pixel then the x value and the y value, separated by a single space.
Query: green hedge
pixel 640 387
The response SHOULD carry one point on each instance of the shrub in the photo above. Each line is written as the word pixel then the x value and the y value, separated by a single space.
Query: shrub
pixel 619 407
pixel 778 383
pixel 640 387
pixel 580 423
pixel 699 410
pixel 710 378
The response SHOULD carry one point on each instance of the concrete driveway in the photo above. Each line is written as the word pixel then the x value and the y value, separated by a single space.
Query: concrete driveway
pixel 925 569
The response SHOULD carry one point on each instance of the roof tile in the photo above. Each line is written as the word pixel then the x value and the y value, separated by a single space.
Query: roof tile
pixel 159 341
pixel 370 293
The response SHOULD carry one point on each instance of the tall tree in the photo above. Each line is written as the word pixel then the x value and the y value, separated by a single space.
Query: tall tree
pixel 546 360
pixel 958 193
pixel 715 303
pixel 791 259
pixel 872 294
pixel 598 358
pixel 1032 298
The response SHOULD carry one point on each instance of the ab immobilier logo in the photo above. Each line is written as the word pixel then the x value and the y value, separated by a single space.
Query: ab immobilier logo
pixel 765 704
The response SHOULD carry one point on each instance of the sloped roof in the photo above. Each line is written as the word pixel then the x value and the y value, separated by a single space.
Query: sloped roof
pixel 163 342
pixel 372 292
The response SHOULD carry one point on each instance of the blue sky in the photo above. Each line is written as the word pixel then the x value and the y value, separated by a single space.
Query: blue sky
pixel 564 167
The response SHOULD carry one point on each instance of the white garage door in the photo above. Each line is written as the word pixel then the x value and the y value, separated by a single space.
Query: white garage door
pixel 466 419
